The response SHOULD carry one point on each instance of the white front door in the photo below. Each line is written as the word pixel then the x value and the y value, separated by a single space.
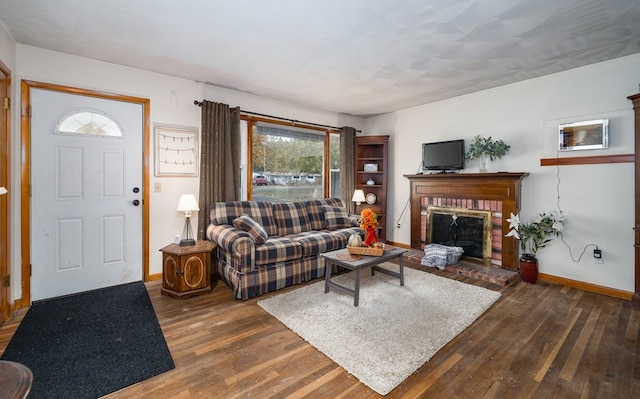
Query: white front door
pixel 86 219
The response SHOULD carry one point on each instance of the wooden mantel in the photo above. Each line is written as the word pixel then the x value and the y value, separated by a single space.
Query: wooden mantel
pixel 505 187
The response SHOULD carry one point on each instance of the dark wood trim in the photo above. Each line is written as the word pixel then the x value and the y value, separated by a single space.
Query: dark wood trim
pixel 25 173
pixel 505 187
pixel 5 200
pixel 635 99
pixel 619 158
pixel 398 244
pixel 25 196
pixel 581 285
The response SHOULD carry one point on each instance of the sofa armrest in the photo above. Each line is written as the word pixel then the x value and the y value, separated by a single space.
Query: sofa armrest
pixel 237 246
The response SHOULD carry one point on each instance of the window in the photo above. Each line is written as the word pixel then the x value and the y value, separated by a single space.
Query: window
pixel 289 163
pixel 87 122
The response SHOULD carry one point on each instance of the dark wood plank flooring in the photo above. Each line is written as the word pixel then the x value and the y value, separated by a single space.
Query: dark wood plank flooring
pixel 537 341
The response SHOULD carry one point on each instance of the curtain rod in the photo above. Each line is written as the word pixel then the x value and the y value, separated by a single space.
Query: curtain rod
pixel 199 104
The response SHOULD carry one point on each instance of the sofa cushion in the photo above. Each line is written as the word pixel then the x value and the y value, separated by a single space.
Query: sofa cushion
pixel 290 217
pixel 345 233
pixel 316 213
pixel 261 212
pixel 316 242
pixel 252 227
pixel 336 218
pixel 277 249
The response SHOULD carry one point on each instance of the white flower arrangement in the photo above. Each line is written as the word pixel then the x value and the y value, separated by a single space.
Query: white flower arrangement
pixel 537 233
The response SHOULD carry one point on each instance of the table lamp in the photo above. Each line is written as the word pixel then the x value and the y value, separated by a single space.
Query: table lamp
pixel 187 204
pixel 358 197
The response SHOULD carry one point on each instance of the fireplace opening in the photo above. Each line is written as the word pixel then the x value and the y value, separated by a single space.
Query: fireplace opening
pixel 466 228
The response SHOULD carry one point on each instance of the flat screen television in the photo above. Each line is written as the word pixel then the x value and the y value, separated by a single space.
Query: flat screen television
pixel 443 156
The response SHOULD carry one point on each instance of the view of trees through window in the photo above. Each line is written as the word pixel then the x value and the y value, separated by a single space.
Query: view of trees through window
pixel 288 164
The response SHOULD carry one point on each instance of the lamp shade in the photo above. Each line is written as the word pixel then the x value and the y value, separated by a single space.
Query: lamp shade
pixel 358 197
pixel 187 203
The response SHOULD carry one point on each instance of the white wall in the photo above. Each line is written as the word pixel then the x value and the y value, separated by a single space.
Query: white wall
pixel 58 68
pixel 598 200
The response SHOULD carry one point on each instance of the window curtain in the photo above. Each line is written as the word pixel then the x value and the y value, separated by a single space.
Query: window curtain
pixel 347 166
pixel 219 159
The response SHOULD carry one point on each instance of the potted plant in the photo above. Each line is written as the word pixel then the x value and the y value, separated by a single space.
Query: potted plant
pixel 534 235
pixel 485 150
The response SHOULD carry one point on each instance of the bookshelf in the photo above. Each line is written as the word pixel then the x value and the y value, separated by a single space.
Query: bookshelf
pixel 371 161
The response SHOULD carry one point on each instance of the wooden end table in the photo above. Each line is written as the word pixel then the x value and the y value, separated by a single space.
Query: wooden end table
pixel 331 258
pixel 186 271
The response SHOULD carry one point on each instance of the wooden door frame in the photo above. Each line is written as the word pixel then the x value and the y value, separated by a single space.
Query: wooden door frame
pixel 5 181
pixel 25 173
pixel 635 99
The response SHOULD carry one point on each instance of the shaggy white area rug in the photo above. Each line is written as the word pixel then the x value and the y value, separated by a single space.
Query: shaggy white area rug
pixel 392 332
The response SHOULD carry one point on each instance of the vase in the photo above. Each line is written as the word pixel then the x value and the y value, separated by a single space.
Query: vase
pixel 529 269
pixel 370 237
pixel 484 161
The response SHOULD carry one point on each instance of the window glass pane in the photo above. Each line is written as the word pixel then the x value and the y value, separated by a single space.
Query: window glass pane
pixel 244 150
pixel 89 123
pixel 287 163
pixel 334 165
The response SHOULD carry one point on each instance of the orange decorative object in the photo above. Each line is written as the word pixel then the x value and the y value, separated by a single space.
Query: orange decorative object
pixel 369 223
pixel 371 237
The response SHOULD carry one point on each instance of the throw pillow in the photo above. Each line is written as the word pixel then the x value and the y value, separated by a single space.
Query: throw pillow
pixel 336 218
pixel 291 218
pixel 252 227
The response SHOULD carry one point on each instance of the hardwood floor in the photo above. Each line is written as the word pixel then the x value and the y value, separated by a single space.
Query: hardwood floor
pixel 537 341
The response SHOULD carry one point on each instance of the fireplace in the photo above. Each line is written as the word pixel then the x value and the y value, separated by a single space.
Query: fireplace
pixel 460 227
pixel 495 193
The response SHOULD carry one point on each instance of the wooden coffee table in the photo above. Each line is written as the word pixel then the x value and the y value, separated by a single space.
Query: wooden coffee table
pixel 331 258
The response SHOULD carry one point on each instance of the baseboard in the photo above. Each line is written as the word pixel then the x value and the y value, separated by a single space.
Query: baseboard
pixel 153 277
pixel 586 286
pixel 398 244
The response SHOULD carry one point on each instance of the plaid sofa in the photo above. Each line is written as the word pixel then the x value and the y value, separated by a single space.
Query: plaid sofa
pixel 263 247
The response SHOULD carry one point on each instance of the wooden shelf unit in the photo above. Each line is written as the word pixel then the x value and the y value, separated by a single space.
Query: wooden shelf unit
pixel 373 150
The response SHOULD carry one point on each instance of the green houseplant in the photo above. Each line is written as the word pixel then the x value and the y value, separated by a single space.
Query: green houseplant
pixel 486 149
pixel 534 235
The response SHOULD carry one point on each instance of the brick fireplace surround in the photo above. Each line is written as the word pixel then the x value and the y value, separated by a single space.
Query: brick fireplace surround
pixel 495 207
pixel 499 192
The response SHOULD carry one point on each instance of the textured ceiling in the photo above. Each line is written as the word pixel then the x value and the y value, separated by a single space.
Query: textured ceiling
pixel 360 57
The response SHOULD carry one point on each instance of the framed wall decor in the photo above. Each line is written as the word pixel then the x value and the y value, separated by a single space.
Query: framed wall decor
pixel 587 135
pixel 176 151
pixel 370 167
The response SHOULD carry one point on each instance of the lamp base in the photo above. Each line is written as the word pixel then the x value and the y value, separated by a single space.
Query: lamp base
pixel 187 234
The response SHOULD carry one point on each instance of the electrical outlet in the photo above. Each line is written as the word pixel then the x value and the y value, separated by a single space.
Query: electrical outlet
pixel 597 256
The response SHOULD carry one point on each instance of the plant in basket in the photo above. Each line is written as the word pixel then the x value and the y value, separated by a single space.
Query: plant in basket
pixel 369 224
